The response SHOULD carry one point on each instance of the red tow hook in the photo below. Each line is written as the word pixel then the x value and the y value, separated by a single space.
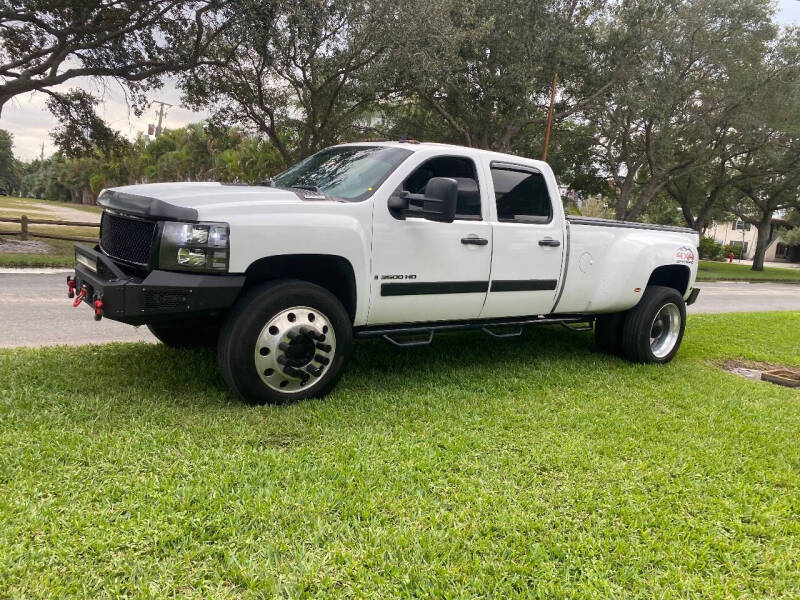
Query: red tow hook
pixel 98 310
pixel 71 283
pixel 79 298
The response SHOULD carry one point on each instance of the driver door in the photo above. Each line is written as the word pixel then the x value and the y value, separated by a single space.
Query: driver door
pixel 428 271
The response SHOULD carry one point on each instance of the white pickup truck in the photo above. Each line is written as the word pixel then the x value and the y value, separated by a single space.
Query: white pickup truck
pixel 399 240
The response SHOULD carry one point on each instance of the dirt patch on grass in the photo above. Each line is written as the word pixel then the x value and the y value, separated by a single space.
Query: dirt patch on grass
pixel 751 369
pixel 26 247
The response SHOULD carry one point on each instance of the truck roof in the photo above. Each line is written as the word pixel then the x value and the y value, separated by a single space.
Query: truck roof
pixel 416 146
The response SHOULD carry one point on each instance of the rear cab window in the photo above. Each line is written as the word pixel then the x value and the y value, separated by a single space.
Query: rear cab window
pixel 521 194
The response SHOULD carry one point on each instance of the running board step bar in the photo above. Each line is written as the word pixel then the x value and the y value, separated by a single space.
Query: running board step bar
pixel 391 333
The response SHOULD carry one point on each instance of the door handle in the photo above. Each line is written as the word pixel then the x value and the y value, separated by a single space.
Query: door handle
pixel 549 242
pixel 475 241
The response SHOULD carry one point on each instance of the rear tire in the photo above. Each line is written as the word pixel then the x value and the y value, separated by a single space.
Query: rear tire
pixel 653 329
pixel 608 333
pixel 187 334
pixel 284 341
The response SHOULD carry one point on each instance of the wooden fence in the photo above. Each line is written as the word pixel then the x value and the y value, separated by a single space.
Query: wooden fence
pixel 24 233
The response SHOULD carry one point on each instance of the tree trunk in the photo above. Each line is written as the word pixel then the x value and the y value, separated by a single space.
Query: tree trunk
pixel 87 197
pixel 763 226
pixel 647 195
pixel 621 206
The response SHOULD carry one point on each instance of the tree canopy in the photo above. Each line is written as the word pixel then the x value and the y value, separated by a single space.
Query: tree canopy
pixel 45 43
pixel 673 110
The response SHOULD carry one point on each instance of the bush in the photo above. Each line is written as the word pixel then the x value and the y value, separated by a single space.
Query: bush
pixel 737 251
pixel 710 249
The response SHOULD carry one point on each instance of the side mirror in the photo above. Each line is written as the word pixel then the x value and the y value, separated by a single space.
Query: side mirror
pixel 437 204
pixel 441 196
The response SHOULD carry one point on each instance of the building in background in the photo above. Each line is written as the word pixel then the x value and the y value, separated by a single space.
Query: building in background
pixel 739 234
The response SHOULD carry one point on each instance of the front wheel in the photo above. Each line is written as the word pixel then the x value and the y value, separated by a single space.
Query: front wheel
pixel 284 341
pixel 653 329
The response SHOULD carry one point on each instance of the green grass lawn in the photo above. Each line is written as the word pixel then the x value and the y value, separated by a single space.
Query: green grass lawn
pixel 10 206
pixel 471 468
pixel 62 255
pixel 720 271
pixel 61 251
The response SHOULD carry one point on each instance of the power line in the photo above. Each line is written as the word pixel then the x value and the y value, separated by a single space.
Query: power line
pixel 159 128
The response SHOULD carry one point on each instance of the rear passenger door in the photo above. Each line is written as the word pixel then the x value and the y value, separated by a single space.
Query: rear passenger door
pixel 528 243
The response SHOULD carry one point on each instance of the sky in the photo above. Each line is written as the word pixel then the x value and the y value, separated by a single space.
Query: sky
pixel 29 121
pixel 27 118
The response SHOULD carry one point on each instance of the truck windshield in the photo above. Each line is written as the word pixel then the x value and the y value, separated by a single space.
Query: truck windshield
pixel 346 172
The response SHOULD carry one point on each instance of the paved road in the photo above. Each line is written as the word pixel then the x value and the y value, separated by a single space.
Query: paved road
pixel 35 311
pixel 732 296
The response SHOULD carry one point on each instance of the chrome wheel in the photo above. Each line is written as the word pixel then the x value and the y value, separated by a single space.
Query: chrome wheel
pixel 295 349
pixel 665 330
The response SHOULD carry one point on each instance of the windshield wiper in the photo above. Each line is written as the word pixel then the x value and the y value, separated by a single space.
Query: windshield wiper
pixel 300 186
pixel 310 188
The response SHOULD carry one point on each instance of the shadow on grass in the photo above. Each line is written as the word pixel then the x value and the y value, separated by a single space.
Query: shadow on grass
pixel 130 373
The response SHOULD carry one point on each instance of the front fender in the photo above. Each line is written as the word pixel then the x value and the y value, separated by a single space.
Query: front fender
pixel 306 232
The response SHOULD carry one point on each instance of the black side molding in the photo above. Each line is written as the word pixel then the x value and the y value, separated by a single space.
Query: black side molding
pixel 434 287
pixel 523 285
pixel 145 207
pixel 466 287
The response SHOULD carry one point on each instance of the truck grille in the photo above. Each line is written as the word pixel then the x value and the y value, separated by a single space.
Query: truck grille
pixel 126 239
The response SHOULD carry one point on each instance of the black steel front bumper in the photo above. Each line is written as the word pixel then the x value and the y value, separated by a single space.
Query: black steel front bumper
pixel 157 297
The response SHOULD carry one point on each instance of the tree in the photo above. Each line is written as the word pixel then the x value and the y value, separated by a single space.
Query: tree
pixel 296 70
pixel 201 151
pixel 81 131
pixel 45 43
pixel 770 182
pixel 791 234
pixel 700 193
pixel 486 67
pixel 673 113
pixel 9 167
pixel 766 168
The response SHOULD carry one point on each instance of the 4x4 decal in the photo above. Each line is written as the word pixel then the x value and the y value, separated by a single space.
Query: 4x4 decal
pixel 684 256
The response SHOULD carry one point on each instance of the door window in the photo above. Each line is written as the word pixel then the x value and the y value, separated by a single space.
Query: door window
pixel 521 196
pixel 468 206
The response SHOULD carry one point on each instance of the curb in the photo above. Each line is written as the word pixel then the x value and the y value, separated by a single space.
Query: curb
pixel 34 270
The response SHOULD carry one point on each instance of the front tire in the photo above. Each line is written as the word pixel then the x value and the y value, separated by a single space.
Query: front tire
pixel 285 340
pixel 653 329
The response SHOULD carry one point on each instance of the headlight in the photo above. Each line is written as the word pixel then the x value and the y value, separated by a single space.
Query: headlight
pixel 194 247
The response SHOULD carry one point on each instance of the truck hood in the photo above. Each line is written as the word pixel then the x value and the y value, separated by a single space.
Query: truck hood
pixel 181 201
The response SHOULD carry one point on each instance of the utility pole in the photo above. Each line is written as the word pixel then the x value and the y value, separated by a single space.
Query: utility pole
pixel 550 116
pixel 160 115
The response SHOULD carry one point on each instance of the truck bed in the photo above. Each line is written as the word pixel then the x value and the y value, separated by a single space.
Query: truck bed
pixel 609 263
pixel 597 221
